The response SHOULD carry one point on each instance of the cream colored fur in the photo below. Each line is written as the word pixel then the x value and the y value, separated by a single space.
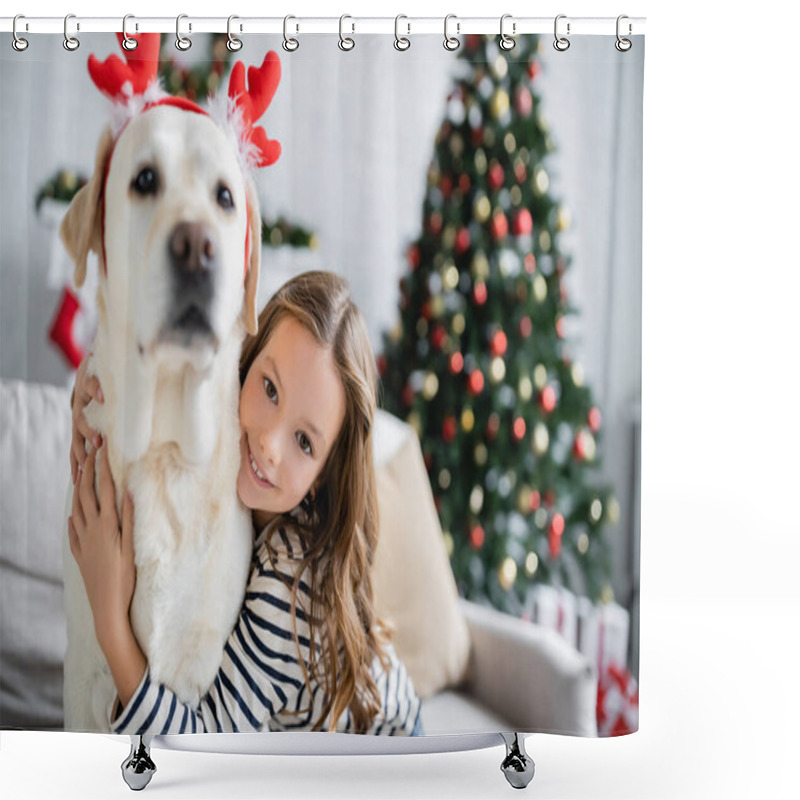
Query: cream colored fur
pixel 170 416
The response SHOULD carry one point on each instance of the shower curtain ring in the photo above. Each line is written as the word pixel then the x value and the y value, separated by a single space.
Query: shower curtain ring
pixel 233 44
pixel 289 45
pixel 623 45
pixel 128 42
pixel 506 42
pixel 450 42
pixel 183 43
pixel 18 43
pixel 561 43
pixel 346 43
pixel 401 42
pixel 70 42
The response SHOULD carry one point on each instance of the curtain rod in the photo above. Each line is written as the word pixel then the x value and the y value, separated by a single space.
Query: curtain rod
pixel 407 26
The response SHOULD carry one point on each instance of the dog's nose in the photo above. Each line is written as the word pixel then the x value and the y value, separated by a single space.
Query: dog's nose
pixel 192 247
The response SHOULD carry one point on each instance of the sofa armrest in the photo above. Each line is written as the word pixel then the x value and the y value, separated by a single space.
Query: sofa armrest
pixel 529 675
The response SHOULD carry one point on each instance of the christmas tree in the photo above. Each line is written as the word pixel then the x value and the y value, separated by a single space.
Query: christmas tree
pixel 478 363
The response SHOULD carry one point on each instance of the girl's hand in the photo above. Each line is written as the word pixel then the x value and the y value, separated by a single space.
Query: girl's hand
pixel 87 388
pixel 103 550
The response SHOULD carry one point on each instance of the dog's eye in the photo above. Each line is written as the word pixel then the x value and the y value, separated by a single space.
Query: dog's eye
pixel 224 197
pixel 146 181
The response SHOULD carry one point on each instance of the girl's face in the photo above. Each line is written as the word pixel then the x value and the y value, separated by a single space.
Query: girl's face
pixel 291 409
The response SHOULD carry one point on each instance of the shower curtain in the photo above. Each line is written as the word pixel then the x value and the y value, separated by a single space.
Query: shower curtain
pixel 483 206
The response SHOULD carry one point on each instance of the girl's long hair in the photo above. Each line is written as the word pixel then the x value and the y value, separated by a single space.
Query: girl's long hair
pixel 342 530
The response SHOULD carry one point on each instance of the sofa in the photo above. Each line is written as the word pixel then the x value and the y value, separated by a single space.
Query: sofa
pixel 476 668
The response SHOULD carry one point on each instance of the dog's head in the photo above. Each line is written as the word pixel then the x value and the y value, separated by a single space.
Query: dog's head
pixel 171 209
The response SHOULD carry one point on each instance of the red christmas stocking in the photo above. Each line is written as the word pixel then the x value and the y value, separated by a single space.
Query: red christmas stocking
pixel 62 330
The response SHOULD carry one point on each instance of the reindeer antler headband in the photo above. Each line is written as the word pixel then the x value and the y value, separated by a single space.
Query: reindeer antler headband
pixel 133 87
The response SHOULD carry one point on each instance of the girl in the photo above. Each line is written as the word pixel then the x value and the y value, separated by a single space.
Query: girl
pixel 307 651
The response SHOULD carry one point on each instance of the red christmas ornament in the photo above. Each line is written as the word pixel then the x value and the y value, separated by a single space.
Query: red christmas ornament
pixel 498 344
pixel 579 446
pixel 560 328
pixel 456 363
pixel 523 223
pixel 475 382
pixel 446 186
pixel 520 173
pixel 479 293
pixel 426 311
pixel 435 223
pixel 382 363
pixel 449 428
pixel 499 226
pixel 555 532
pixel 523 102
pixel 530 263
pixel 477 537
pixel 594 419
pixel 547 399
pixel 438 337
pixel 519 428
pixel 493 426
pixel 413 257
pixel 408 395
pixel 477 136
pixel 464 183
pixel 525 327
pixel 496 176
pixel 535 500
pixel 428 459
pixel 462 240
pixel 533 69
pixel 549 498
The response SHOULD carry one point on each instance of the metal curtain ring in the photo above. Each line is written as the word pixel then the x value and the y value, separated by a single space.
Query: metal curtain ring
pixel 128 42
pixel 70 42
pixel 289 45
pixel 233 44
pixel 182 42
pixel 345 43
pixel 561 43
pixel 18 43
pixel 450 42
pixel 506 42
pixel 623 45
pixel 400 42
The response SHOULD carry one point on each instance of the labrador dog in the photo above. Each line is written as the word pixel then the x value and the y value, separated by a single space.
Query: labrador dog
pixel 175 222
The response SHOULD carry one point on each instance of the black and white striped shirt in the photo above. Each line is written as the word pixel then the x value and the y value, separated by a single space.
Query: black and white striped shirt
pixel 260 684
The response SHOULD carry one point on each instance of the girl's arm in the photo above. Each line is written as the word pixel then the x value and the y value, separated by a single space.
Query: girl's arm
pixel 260 674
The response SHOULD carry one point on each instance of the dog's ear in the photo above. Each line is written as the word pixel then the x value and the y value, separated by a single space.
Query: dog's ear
pixel 253 260
pixel 81 228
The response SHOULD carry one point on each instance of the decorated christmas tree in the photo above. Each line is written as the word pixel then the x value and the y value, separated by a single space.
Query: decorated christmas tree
pixel 478 362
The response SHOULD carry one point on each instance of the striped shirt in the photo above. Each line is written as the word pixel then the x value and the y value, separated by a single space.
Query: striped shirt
pixel 261 684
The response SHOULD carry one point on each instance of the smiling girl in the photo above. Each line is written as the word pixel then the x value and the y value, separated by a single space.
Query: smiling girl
pixel 308 651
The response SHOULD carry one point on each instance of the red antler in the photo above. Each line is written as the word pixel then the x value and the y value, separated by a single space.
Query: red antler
pixel 140 68
pixel 253 103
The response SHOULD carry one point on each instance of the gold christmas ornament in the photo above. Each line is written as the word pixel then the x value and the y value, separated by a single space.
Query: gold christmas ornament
pixel 516 195
pixel 431 386
pixel 525 389
pixel 578 374
pixel 456 145
pixel 449 237
pixel 510 143
pixel 480 161
pixel 497 369
pixel 449 544
pixel 539 288
pixel 541 439
pixel 564 219
pixel 467 420
pixel 458 324
pixel 524 499
pixel 540 376
pixel 450 278
pixel 541 518
pixel 396 334
pixel 596 510
pixel 583 543
pixel 444 479
pixel 507 573
pixel 544 241
pixel 482 208
pixel 613 510
pixel 481 454
pixel 415 422
pixel 437 306
pixel 480 266
pixel 531 564
pixel 476 500
pixel 500 67
pixel 499 104
pixel 540 181
pixel 607 594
